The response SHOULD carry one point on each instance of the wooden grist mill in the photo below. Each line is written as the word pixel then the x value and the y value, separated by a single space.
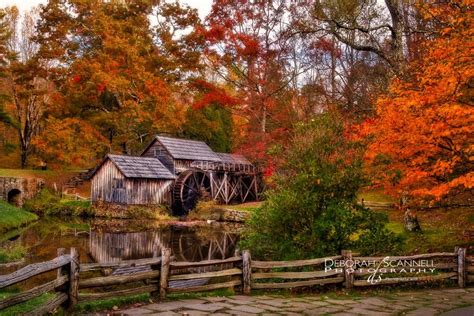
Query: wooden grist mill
pixel 179 172
pixel 233 180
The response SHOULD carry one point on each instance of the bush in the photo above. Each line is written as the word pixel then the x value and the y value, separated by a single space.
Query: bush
pixel 12 251
pixel 312 210
pixel 47 203
pixel 156 212
pixel 43 203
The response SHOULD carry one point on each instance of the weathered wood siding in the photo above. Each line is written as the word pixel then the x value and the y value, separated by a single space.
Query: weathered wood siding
pixel 109 247
pixel 157 150
pixel 109 185
pixel 148 191
pixel 102 182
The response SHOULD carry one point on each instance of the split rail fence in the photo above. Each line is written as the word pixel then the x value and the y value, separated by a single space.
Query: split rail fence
pixel 75 283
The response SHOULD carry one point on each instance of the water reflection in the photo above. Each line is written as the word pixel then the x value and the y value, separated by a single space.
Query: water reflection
pixel 114 240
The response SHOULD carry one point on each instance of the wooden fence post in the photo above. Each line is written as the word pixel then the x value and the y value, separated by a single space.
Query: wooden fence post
pixel 461 267
pixel 246 272
pixel 348 274
pixel 62 270
pixel 165 271
pixel 73 292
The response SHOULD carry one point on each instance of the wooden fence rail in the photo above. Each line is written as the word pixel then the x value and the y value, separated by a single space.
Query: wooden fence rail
pixel 161 276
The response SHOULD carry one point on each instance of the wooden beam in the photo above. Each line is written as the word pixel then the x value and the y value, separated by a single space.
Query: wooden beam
pixel 121 264
pixel 178 265
pixel 84 297
pixel 117 279
pixel 32 293
pixel 207 287
pixel 50 305
pixel 294 263
pixel 32 270
pixel 293 275
pixel 287 285
pixel 202 275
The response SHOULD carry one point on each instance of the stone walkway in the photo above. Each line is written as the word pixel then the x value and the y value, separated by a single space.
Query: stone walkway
pixel 452 302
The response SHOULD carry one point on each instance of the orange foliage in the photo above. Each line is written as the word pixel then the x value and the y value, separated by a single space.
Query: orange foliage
pixel 423 138
pixel 70 142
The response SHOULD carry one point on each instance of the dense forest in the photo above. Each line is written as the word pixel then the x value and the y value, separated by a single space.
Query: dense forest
pixel 81 78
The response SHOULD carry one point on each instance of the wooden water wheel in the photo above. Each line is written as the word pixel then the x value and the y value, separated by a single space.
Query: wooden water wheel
pixel 190 187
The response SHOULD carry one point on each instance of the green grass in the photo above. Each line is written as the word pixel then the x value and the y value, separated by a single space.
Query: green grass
pixel 13 217
pixel 12 252
pixel 101 305
pixel 375 196
pixel 441 230
pixel 248 207
pixel 26 307
pixel 186 296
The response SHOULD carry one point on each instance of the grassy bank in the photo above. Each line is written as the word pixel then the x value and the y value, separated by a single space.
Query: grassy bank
pixel 53 178
pixel 13 217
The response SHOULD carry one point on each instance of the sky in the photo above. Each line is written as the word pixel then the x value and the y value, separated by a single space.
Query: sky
pixel 203 6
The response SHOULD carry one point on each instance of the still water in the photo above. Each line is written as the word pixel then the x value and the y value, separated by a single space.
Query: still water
pixel 105 240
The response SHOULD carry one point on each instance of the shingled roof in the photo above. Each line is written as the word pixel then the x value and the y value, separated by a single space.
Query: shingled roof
pixel 233 158
pixel 188 149
pixel 140 167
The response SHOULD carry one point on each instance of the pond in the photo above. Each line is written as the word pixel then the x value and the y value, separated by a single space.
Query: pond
pixel 105 240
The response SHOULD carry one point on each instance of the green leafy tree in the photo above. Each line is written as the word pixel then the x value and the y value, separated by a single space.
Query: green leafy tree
pixel 312 210
pixel 212 124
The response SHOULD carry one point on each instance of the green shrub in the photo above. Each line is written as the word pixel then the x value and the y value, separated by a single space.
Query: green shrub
pixel 156 212
pixel 44 203
pixel 47 203
pixel 312 210
pixel 77 208
pixel 11 252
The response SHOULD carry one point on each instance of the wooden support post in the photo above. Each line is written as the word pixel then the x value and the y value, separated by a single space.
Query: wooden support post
pixel 348 273
pixel 461 267
pixel 256 187
pixel 246 272
pixel 73 292
pixel 165 271
pixel 62 270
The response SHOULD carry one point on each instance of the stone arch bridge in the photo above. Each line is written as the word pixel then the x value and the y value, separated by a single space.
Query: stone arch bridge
pixel 16 190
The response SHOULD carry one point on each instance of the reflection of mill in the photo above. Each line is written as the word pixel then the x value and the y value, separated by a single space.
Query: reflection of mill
pixel 186 244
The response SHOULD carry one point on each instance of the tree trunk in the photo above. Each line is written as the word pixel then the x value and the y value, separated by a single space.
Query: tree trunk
pixel 394 8
pixel 411 221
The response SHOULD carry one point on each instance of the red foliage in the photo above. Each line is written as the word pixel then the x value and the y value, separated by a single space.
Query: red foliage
pixel 212 95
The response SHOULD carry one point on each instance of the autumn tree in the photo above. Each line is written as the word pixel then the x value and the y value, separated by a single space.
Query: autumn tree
pixel 312 210
pixel 423 137
pixel 28 90
pixel 249 47
pixel 364 26
pixel 70 142
pixel 4 52
pixel 210 117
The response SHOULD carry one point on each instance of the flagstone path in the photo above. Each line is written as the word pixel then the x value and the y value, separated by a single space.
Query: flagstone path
pixel 449 302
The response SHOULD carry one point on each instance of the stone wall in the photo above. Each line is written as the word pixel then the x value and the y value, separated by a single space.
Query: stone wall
pixel 18 190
